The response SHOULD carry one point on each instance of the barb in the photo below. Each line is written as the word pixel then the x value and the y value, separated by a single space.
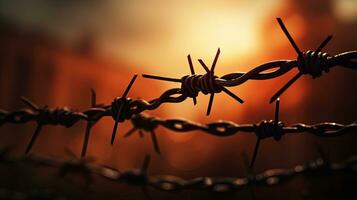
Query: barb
pixel 169 183
pixel 45 116
pixel 192 84
pixel 119 108
pixel 90 124
pixel 143 122
pixel 192 69
pixel 268 129
pixel 310 62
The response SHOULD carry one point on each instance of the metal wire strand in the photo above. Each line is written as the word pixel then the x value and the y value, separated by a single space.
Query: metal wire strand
pixel 45 116
pixel 309 62
pixel 145 123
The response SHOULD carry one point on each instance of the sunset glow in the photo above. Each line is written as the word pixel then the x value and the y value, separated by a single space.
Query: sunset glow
pixel 56 51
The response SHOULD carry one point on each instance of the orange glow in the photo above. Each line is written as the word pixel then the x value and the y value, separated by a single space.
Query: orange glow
pixel 227 31
pixel 135 38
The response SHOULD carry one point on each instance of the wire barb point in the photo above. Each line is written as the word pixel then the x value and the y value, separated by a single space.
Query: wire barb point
pixel 120 109
pixel 266 127
pixel 33 138
pixel 303 66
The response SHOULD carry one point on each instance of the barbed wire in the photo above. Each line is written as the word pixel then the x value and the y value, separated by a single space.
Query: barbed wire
pixel 143 122
pixel 218 128
pixel 123 108
pixel 310 62
pixel 141 177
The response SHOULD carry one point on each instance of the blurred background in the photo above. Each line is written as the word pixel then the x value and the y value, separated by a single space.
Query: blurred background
pixel 54 51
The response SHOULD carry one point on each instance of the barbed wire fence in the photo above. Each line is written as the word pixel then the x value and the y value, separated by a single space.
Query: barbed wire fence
pixel 122 109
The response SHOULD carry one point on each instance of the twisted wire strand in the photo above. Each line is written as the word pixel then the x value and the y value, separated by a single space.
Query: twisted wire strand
pixel 144 122
pixel 224 128
pixel 264 71
pixel 309 62
pixel 169 183
pixel 176 95
pixel 191 85
pixel 216 128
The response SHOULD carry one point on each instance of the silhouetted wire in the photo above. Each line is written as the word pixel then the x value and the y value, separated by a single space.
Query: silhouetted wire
pixel 309 62
pixel 123 108
pixel 268 128
pixel 144 122
pixel 119 108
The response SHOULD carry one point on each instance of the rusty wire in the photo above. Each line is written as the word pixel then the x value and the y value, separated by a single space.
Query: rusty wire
pixel 141 177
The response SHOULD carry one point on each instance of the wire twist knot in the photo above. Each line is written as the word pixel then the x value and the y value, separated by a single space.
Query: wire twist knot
pixel 313 63
pixel 145 122
pixel 121 109
pixel 266 129
pixel 62 116
pixel 137 176
pixel 134 177
pixel 193 84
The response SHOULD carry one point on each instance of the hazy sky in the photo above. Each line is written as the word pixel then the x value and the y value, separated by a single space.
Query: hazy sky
pixel 158 34
pixel 153 31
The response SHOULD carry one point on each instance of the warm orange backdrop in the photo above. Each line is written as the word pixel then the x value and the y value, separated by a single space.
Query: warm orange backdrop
pixel 54 53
